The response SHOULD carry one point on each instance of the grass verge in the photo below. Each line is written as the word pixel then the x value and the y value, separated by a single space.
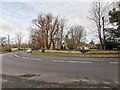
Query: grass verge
pixel 77 54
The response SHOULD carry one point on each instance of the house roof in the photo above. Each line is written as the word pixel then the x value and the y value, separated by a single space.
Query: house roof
pixel 86 45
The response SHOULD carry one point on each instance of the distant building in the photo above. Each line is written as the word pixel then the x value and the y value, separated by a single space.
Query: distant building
pixel 86 46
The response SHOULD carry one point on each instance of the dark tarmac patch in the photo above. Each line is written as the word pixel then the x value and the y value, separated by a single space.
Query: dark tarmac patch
pixel 19 82
pixel 28 75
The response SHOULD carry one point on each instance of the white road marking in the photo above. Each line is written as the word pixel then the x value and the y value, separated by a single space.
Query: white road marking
pixel 5 54
pixel 72 61
pixel 35 59
pixel 57 61
pixel 79 62
pixel 16 55
pixel 25 57
pixel 113 62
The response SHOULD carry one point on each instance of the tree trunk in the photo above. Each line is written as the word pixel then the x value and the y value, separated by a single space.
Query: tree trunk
pixel 19 46
pixel 99 27
pixel 103 34
pixel 53 43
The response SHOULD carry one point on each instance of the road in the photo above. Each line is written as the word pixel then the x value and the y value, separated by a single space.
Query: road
pixel 61 69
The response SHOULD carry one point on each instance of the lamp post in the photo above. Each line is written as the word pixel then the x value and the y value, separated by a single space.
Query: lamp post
pixel 9 43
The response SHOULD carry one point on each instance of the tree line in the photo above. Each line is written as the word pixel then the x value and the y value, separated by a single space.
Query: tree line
pixel 49 32
pixel 54 32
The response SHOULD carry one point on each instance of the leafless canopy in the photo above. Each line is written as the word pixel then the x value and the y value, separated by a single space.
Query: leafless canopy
pixel 98 11
pixel 2 41
pixel 48 28
pixel 76 34
pixel 18 39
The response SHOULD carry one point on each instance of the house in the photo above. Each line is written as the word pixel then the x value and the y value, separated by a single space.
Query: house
pixel 86 46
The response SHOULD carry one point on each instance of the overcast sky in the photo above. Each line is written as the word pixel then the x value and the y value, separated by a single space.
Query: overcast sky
pixel 17 16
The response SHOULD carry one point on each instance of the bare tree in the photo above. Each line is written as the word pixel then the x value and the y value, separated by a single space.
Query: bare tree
pixel 60 33
pixel 18 39
pixel 2 42
pixel 47 27
pixel 63 25
pixel 76 34
pixel 98 11
pixel 35 38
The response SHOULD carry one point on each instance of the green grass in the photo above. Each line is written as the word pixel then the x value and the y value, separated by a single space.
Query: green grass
pixel 16 49
pixel 77 54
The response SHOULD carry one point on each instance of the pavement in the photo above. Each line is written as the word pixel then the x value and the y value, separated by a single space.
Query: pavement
pixel 0 71
pixel 63 70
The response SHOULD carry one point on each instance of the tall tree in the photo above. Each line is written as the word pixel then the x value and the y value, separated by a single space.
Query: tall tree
pixel 98 11
pixel 35 40
pixel 47 27
pixel 75 35
pixel 18 39
pixel 113 34
pixel 115 16
pixel 63 24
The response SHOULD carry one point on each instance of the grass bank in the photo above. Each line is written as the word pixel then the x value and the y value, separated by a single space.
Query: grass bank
pixel 75 54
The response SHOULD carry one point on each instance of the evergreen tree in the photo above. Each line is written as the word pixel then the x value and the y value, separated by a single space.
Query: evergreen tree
pixel 113 34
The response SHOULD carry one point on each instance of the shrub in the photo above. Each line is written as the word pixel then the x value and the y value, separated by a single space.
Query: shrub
pixel 93 47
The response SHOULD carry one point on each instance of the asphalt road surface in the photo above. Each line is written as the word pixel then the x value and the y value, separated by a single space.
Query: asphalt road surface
pixel 60 69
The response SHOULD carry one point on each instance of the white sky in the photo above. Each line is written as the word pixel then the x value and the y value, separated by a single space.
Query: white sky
pixel 16 16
